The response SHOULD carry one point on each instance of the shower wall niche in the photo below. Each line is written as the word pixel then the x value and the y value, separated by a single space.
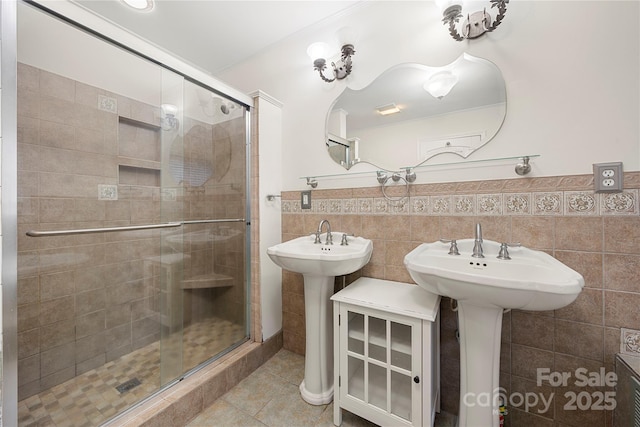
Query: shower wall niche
pixel 106 309
pixel 138 152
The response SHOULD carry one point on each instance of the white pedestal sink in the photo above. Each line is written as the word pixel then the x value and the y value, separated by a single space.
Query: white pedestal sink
pixel 319 264
pixel 484 288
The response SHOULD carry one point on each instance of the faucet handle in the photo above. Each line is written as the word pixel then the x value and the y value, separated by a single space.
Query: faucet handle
pixel 453 249
pixel 504 252
pixel 317 239
pixel 329 240
pixel 344 241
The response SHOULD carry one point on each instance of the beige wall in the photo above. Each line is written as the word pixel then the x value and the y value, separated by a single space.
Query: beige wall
pixel 598 235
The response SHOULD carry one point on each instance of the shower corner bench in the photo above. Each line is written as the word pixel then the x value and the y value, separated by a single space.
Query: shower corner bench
pixel 386 353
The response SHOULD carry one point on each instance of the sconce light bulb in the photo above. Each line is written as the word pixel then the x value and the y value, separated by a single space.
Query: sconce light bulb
pixel 140 5
pixel 347 35
pixel 444 5
pixel 318 50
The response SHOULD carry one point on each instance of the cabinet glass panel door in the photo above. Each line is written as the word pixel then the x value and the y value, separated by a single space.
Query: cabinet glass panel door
pixel 382 360
pixel 377 339
pixel 355 385
pixel 355 326
pixel 401 395
pixel 377 386
pixel 401 345
pixel 401 369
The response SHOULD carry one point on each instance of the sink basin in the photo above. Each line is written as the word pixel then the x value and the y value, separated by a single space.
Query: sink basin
pixel 484 288
pixel 319 264
pixel 530 280
pixel 303 256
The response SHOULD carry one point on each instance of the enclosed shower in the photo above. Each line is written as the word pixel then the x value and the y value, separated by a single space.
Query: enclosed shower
pixel 132 224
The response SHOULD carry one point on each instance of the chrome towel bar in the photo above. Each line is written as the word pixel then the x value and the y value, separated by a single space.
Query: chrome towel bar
pixel 34 233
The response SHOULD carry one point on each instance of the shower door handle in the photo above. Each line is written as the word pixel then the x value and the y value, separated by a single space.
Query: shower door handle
pixel 34 233
pixel 212 221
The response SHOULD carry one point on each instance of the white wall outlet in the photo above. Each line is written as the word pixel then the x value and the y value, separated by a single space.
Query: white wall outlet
pixel 608 177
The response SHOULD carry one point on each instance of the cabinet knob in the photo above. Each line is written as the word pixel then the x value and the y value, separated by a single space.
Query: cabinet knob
pixel 416 379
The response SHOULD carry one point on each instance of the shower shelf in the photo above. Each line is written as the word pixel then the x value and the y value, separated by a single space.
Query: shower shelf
pixel 138 123
pixel 138 153
pixel 213 280
pixel 138 163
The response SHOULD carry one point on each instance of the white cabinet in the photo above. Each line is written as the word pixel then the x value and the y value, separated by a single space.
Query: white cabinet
pixel 386 353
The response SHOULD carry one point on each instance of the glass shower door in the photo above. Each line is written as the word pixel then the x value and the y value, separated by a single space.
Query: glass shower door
pixel 132 231
pixel 204 187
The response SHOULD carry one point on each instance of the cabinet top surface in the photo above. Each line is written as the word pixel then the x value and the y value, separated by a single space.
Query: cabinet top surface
pixel 394 297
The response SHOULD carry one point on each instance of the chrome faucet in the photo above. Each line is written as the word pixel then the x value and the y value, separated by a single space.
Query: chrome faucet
pixel 477 245
pixel 329 240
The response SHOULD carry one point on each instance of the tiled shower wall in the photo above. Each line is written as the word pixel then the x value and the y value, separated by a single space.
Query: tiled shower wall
pixel 84 300
pixel 597 235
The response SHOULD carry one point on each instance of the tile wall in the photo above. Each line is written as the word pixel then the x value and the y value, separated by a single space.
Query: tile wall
pixel 597 235
pixel 84 300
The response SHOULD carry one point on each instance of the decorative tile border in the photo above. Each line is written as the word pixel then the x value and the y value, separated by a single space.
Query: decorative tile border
pixel 464 204
pixel 107 192
pixel 551 203
pixel 580 203
pixel 517 204
pixel 107 104
pixel 548 203
pixel 630 342
pixel 489 204
pixel 625 203
pixel 419 205
pixel 440 205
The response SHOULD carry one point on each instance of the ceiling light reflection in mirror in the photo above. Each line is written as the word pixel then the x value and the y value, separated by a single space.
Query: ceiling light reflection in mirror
pixel 466 114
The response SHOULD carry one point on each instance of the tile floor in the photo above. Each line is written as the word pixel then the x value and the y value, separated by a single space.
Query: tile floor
pixel 269 397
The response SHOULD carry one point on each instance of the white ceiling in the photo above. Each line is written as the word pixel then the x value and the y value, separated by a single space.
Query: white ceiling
pixel 216 34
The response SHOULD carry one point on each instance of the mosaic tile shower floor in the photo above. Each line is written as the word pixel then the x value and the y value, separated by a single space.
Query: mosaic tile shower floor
pixel 91 398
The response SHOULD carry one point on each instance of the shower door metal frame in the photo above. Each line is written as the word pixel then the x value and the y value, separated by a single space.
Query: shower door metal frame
pixel 9 212
pixel 78 17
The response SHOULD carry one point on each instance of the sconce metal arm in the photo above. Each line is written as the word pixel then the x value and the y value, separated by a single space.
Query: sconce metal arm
pixel 453 18
pixel 502 10
pixel 320 65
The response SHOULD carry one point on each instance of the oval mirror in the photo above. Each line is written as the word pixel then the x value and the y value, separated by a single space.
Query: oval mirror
pixel 456 109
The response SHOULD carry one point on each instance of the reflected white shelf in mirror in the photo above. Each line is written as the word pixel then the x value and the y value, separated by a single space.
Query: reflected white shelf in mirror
pixel 521 168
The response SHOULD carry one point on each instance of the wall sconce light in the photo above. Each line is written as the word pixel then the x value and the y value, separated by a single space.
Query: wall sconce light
pixel 168 120
pixel 477 23
pixel 319 51
pixel 440 84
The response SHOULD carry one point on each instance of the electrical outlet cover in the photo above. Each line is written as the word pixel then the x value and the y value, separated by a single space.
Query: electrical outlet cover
pixel 305 199
pixel 608 177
